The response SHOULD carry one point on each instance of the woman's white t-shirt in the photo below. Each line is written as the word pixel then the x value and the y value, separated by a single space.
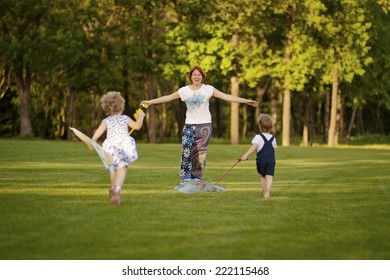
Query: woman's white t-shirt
pixel 260 142
pixel 197 102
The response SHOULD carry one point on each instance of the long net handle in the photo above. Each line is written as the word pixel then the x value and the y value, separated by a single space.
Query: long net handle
pixel 228 171
pixel 131 131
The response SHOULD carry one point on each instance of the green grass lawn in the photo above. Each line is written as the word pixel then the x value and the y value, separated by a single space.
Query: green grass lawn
pixel 325 204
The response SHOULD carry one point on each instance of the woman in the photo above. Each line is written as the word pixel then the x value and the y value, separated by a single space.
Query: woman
pixel 197 128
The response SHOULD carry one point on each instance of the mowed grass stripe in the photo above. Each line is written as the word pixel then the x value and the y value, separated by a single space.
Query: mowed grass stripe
pixel 325 204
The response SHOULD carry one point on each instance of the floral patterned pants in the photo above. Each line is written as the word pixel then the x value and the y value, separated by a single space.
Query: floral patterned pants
pixel 195 141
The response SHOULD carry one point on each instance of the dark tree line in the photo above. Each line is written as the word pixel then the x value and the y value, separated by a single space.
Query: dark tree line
pixel 319 67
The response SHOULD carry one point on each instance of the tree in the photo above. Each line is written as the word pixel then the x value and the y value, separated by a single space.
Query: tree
pixel 197 36
pixel 57 57
pixel 297 55
pixel 371 92
pixel 20 47
pixel 346 50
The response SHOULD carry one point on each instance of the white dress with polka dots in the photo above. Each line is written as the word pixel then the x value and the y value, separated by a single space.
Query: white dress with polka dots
pixel 118 143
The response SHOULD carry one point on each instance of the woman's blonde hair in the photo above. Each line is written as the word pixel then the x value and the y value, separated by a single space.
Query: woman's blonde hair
pixel 112 103
pixel 265 123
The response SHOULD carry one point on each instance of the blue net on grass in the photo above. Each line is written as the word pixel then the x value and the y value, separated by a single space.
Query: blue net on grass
pixel 196 185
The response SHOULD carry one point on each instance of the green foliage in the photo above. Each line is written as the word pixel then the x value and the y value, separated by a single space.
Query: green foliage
pixel 21 42
pixel 94 46
pixel 326 204
pixel 347 31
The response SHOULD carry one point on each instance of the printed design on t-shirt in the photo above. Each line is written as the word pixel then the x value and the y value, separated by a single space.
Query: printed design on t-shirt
pixel 196 100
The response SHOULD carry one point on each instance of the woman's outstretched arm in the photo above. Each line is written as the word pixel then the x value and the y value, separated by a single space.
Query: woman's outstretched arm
pixel 227 97
pixel 162 99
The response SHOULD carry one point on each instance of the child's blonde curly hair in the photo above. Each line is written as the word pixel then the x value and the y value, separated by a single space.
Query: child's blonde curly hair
pixel 265 123
pixel 112 103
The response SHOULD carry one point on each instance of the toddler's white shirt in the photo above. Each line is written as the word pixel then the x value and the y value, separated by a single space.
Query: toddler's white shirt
pixel 260 142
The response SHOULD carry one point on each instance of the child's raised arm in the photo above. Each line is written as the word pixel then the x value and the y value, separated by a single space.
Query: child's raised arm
pixel 139 119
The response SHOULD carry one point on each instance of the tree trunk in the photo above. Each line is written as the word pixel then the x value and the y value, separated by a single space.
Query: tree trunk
pixel 43 128
pixel 339 117
pixel 306 126
pixel 151 111
pixel 326 117
pixel 24 86
pixel 71 113
pixel 245 124
pixel 235 91
pixel 360 122
pixel 348 137
pixel 274 108
pixel 333 111
pixel 126 84
pixel 162 127
pixel 95 101
pixel 260 91
pixel 378 119
pixel 286 119
pixel 234 113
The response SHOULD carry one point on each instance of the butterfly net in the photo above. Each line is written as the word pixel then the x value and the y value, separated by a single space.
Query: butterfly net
pixel 92 145
pixel 196 185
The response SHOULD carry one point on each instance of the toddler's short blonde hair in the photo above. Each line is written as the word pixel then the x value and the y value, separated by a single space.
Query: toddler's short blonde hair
pixel 112 103
pixel 265 123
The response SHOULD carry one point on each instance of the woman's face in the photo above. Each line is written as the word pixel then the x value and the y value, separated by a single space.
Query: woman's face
pixel 196 77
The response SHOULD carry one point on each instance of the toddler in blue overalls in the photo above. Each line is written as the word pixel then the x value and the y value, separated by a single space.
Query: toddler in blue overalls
pixel 264 144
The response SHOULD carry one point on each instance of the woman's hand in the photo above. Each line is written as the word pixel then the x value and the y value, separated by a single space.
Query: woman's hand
pixel 253 103
pixel 145 104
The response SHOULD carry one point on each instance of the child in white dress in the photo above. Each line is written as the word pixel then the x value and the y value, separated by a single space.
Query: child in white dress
pixel 118 143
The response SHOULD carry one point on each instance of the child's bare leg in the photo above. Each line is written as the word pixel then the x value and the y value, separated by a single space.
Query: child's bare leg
pixel 113 178
pixel 117 178
pixel 268 179
pixel 120 177
pixel 263 181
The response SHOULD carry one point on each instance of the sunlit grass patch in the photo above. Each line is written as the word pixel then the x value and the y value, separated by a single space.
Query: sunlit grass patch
pixel 325 204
